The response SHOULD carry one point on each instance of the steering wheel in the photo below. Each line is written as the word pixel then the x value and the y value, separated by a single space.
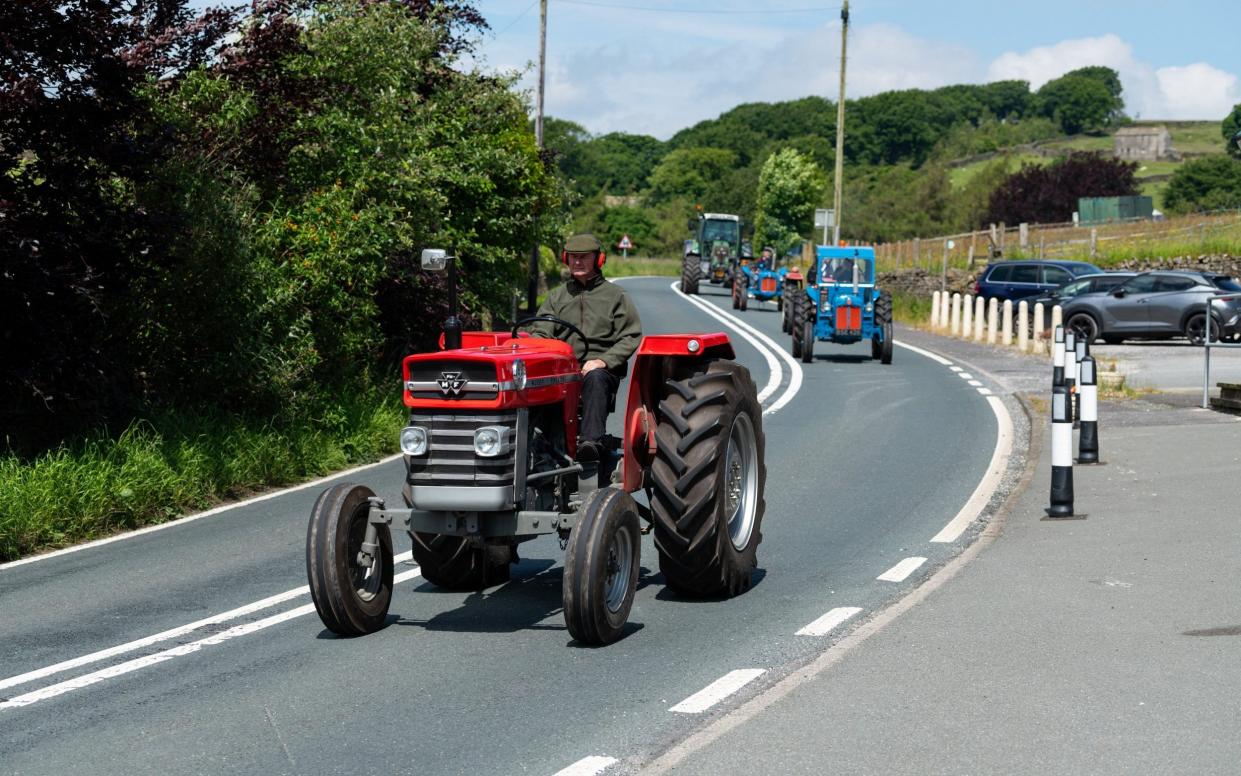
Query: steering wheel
pixel 554 319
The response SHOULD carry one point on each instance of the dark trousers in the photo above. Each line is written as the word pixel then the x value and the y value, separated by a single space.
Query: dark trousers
pixel 598 388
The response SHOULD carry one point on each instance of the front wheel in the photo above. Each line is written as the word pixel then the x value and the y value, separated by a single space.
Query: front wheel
pixel 691 273
pixel 601 567
pixel 807 342
pixel 351 591
pixel 708 476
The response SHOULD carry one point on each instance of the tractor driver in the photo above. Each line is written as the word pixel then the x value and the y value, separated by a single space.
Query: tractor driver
pixel 764 261
pixel 610 322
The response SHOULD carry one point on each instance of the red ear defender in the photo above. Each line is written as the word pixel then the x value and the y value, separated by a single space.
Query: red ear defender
pixel 603 259
pixel 564 257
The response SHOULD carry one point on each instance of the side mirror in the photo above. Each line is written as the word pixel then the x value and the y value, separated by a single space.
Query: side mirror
pixel 434 259
pixel 692 224
pixel 1119 293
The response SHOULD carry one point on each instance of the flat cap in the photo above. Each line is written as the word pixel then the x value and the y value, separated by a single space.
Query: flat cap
pixel 582 243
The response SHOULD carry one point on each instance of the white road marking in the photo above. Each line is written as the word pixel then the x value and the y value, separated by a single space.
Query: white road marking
pixel 718 690
pixel 746 330
pixel 900 571
pixel 985 391
pixel 198 516
pixel 933 356
pixel 975 383
pixel 965 375
pixel 828 622
pixel 991 480
pixel 956 368
pixel 142 662
pixel 588 766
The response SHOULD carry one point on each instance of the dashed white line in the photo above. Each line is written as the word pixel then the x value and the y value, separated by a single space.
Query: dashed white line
pixel 985 391
pixel 956 368
pixel 718 690
pixel 136 664
pixel 172 633
pixel 965 375
pixel 588 766
pixel 975 383
pixel 900 571
pixel 828 622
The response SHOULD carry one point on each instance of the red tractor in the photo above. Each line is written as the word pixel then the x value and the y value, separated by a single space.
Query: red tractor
pixel 490 451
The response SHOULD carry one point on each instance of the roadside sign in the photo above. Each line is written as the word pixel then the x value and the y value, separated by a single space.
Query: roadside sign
pixel 824 218
pixel 624 243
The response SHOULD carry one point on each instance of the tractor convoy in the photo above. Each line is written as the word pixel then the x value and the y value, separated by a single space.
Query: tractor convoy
pixel 491 450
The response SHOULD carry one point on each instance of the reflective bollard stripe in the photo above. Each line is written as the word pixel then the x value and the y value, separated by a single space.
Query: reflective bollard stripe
pixel 1061 454
pixel 1088 439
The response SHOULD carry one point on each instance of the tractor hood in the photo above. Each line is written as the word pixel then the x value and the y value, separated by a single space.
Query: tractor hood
pixel 491 370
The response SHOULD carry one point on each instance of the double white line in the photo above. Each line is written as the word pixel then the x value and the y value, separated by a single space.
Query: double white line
pixel 772 352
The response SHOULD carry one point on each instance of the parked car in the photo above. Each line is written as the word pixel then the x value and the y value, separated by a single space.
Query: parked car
pixel 1022 279
pixel 1086 284
pixel 1157 305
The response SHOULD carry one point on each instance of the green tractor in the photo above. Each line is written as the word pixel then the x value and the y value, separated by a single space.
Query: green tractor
pixel 714 251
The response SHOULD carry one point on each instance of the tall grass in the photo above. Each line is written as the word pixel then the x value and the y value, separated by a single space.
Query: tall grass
pixel 167 464
pixel 620 268
pixel 910 309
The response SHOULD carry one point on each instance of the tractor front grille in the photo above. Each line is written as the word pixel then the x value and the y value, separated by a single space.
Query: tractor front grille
pixel 768 285
pixel 451 460
pixel 451 379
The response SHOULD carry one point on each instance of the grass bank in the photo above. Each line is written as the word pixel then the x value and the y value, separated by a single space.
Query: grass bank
pixel 169 464
pixel 622 268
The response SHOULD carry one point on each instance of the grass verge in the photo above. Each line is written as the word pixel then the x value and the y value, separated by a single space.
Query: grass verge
pixel 622 268
pixel 171 463
pixel 910 310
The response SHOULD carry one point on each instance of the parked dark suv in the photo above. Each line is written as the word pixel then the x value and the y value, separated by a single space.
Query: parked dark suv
pixel 1020 279
pixel 1157 305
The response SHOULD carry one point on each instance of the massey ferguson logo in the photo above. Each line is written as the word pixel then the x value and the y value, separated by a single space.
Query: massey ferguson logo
pixel 451 383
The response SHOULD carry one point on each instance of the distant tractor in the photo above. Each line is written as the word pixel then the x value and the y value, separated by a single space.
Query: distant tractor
pixel 713 252
pixel 759 280
pixel 492 460
pixel 790 289
pixel 842 304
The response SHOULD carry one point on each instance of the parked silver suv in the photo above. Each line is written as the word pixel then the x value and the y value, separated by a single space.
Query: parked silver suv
pixel 1157 305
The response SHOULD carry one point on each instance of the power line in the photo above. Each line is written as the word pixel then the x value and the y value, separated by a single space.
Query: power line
pixel 712 11
pixel 520 16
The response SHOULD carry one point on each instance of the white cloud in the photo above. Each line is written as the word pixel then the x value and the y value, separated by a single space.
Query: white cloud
pixel 1191 92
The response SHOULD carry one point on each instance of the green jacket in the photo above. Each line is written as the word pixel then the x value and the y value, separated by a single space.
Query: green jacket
pixel 603 311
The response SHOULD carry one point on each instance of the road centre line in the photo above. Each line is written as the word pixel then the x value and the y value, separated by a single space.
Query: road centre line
pixel 741 327
pixel 197 516
pixel 588 766
pixel 829 621
pixel 129 666
pixel 901 571
pixel 172 633
pixel 991 480
pixel 718 690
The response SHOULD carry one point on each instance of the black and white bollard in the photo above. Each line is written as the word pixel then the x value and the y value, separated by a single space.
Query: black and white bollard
pixel 1070 367
pixel 1088 391
pixel 1057 358
pixel 1083 350
pixel 1061 454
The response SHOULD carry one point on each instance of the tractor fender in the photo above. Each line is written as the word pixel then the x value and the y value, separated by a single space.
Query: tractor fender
pixel 650 368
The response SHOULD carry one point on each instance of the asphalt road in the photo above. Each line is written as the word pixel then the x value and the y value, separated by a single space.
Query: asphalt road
pixel 866 464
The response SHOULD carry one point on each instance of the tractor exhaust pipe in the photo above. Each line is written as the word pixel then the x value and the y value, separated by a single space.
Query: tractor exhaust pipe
pixel 437 260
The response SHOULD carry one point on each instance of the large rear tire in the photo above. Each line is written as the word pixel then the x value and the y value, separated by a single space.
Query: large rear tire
pixel 709 474
pixel 744 296
pixel 882 349
pixel 452 563
pixel 351 600
pixel 807 341
pixel 601 567
pixel 691 273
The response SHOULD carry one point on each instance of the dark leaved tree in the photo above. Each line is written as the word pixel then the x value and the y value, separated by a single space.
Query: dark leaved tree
pixel 1048 194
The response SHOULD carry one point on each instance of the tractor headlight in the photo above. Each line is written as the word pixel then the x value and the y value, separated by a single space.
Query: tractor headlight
pixel 491 441
pixel 519 374
pixel 414 440
pixel 827 304
pixel 870 308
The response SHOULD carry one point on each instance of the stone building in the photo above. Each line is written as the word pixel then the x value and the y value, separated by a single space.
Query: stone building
pixel 1144 143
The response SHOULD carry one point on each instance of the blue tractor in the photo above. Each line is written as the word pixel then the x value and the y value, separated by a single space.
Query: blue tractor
pixel 761 280
pixel 842 304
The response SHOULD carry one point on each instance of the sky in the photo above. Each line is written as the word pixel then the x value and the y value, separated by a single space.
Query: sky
pixel 658 66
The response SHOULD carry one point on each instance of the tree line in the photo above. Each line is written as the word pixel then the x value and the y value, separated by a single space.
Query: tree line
pixel 225 209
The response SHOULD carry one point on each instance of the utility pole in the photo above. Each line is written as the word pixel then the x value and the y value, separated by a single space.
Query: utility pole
pixel 840 124
pixel 532 291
